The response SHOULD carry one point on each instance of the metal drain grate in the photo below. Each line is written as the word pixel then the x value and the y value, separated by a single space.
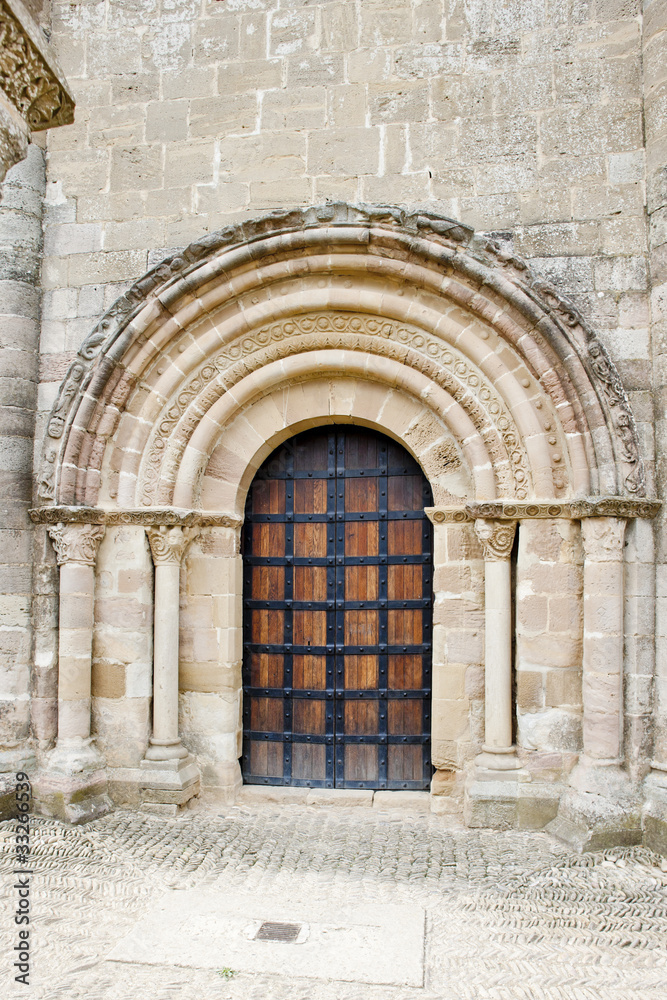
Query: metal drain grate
pixel 287 933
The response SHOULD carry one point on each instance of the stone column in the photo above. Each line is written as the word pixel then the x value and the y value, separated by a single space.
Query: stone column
pixel 601 808
pixel 21 200
pixel 497 538
pixel 74 785
pixel 171 775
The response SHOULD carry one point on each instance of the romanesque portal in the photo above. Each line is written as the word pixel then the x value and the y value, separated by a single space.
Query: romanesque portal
pixel 343 318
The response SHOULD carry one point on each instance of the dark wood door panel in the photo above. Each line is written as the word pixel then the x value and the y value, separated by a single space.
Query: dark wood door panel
pixel 337 596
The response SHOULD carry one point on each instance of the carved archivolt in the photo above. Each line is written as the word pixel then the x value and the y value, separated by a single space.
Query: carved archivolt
pixel 446 367
pixel 489 285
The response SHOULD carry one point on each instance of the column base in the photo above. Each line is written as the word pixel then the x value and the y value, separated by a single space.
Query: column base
pixel 12 760
pixel 166 750
pixel 654 813
pixel 600 809
pixel 168 783
pixel 505 797
pixel 73 786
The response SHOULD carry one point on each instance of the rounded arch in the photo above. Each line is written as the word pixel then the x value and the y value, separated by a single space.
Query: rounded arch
pixel 415 307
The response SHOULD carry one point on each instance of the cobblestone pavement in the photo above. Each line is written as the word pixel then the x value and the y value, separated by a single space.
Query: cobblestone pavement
pixel 508 915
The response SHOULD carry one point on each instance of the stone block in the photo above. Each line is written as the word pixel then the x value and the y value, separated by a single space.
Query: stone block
pixel 341 797
pixel 268 157
pixel 251 75
pixel 315 69
pixel 222 116
pixel 167 121
pixel 295 109
pixel 404 102
pixel 291 31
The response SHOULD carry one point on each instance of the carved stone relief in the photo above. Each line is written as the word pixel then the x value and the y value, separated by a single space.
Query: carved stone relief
pixel 497 537
pixel 76 543
pixel 412 347
pixel 29 73
pixel 169 543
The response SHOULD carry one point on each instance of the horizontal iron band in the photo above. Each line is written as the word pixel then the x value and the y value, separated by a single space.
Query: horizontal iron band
pixel 339 517
pixel 258 779
pixel 320 739
pixel 415 559
pixel 348 694
pixel 259 605
pixel 281 649
pixel 343 472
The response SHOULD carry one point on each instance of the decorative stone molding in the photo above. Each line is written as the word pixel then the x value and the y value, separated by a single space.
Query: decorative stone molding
pixel 497 537
pixel 590 507
pixel 144 518
pixel 603 539
pixel 444 365
pixel 169 543
pixel 76 543
pixel 29 72
pixel 451 253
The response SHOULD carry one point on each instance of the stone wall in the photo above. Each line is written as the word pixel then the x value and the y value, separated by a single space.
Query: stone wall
pixel 520 118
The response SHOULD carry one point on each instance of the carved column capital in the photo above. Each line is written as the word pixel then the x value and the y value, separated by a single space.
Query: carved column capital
pixel 76 543
pixel 169 543
pixel 603 538
pixel 497 537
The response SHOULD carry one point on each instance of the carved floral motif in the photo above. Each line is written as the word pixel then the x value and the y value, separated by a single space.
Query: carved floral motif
pixel 76 543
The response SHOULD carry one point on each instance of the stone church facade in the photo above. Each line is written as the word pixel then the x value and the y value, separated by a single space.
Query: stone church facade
pixel 433 227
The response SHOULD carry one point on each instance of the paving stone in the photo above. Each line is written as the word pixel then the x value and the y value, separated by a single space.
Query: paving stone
pixel 508 915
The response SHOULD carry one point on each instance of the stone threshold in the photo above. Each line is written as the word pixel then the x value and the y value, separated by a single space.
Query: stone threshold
pixel 334 797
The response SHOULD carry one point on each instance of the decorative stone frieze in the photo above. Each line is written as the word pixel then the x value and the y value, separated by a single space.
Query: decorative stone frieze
pixel 497 537
pixel 590 507
pixel 76 543
pixel 145 518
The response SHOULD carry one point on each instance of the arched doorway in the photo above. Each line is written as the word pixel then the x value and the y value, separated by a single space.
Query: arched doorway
pixel 337 556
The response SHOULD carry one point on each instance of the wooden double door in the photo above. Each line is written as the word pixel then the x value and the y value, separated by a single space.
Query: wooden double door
pixel 337 615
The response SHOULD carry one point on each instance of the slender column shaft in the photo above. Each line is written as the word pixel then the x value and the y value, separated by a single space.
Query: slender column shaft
pixel 603 637
pixel 165 674
pixel 167 546
pixel 497 538
pixel 498 656
pixel 76 549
